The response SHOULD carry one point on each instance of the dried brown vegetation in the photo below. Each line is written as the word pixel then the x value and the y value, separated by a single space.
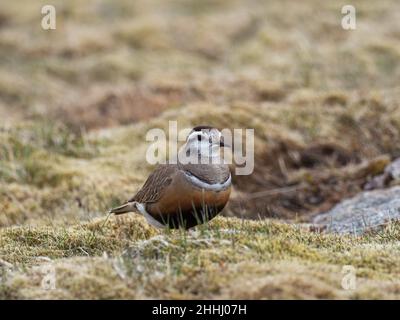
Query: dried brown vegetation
pixel 75 105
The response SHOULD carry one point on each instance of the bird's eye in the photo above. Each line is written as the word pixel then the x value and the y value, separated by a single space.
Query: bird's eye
pixel 199 137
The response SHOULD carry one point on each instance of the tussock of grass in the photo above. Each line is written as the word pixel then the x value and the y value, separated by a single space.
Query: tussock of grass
pixel 23 245
pixel 77 103
pixel 61 184
pixel 215 261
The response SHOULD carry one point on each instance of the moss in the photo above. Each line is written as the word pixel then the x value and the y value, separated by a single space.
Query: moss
pixel 72 145
pixel 218 260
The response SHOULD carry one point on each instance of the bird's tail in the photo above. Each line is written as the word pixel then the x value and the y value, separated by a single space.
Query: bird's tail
pixel 126 207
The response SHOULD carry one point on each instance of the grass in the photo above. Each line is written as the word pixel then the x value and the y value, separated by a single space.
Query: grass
pixel 76 103
pixel 219 260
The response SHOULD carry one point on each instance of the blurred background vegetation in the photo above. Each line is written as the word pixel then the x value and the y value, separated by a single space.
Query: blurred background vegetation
pixel 76 102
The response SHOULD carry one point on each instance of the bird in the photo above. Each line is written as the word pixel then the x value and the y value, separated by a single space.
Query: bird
pixel 188 193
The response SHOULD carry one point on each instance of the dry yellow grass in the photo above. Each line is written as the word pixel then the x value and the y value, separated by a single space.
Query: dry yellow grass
pixel 75 104
pixel 125 258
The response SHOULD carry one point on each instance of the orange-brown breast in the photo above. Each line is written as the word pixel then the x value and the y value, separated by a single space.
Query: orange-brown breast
pixel 182 201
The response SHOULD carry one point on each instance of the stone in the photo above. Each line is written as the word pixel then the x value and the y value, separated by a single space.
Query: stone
pixel 366 211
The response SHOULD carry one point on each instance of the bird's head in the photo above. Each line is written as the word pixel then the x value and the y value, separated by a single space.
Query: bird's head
pixel 207 135
pixel 205 141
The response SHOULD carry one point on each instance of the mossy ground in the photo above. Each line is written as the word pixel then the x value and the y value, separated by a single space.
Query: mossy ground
pixel 75 106
pixel 125 258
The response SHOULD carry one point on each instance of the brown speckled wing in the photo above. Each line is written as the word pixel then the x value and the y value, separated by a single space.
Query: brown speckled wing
pixel 155 184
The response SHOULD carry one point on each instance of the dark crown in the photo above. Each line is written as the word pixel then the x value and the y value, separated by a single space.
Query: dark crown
pixel 200 128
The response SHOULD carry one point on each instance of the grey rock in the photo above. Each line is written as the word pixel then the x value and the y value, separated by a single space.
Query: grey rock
pixel 368 210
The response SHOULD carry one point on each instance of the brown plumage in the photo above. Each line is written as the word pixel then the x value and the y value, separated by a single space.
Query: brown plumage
pixel 155 184
pixel 181 195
